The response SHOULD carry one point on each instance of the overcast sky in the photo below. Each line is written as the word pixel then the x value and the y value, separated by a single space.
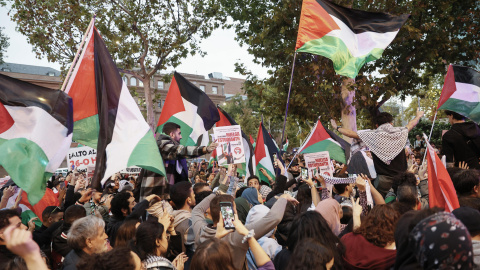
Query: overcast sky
pixel 222 53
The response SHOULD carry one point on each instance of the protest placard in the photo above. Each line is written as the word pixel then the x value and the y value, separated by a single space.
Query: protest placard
pixel 318 163
pixel 81 157
pixel 230 145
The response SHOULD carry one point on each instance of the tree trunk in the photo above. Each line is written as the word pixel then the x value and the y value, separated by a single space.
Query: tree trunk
pixel 149 104
pixel 349 114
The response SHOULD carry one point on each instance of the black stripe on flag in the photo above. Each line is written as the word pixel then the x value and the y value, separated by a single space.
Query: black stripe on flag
pixel 14 92
pixel 108 84
pixel 364 21
pixel 466 75
pixel 206 109
pixel 268 141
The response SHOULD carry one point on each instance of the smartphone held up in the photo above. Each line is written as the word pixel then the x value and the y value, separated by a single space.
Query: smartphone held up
pixel 226 209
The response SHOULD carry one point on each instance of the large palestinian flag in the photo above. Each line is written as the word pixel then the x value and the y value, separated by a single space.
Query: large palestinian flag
pixel 264 150
pixel 36 126
pixel 322 139
pixel 461 92
pixel 349 37
pixel 191 108
pixel 247 168
pixel 107 117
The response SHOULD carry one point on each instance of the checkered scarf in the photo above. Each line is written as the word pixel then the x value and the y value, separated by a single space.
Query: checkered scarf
pixel 339 180
pixel 151 183
pixel 386 142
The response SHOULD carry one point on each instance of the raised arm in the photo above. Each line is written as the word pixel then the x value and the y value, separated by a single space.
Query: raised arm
pixel 344 131
pixel 415 121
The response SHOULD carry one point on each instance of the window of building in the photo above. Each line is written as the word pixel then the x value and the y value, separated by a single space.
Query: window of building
pixel 202 87
pixel 160 104
pixel 214 89
pixel 160 85
pixel 140 83
pixel 6 69
pixel 133 81
pixel 125 79
pixel 51 74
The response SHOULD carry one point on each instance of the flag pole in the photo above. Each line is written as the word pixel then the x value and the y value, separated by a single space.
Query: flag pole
pixel 430 135
pixel 92 22
pixel 288 100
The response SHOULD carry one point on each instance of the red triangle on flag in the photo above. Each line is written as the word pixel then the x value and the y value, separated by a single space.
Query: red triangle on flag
pixel 260 146
pixel 449 87
pixel 6 120
pixel 319 134
pixel 173 103
pixel 83 90
pixel 49 199
pixel 223 122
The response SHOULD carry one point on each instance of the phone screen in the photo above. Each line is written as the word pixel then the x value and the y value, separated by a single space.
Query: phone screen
pixel 304 173
pixel 226 208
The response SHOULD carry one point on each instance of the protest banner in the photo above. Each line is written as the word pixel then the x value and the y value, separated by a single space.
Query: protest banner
pixel 81 157
pixel 131 170
pixel 318 163
pixel 230 145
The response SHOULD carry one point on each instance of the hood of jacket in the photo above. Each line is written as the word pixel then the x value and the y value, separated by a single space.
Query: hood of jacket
pixel 467 129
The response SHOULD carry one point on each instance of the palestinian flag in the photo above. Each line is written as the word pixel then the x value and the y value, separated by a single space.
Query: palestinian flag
pixel 441 192
pixel 213 158
pixel 252 141
pixel 226 120
pixel 461 91
pixel 191 108
pixel 322 139
pixel 349 37
pixel 264 152
pixel 285 145
pixel 36 125
pixel 107 117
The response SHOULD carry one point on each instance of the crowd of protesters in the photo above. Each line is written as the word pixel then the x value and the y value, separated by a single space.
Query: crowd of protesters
pixel 372 221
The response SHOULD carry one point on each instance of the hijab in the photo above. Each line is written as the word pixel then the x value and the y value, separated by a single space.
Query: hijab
pixel 441 241
pixel 330 211
pixel 243 207
pixel 251 195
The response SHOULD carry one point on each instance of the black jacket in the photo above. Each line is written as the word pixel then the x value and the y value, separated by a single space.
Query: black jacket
pixel 71 260
pixel 115 223
pixel 459 144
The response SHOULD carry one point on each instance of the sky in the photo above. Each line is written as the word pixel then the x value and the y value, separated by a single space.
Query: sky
pixel 221 48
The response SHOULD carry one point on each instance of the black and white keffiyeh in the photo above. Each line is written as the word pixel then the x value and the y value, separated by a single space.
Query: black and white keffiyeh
pixel 386 142
pixel 339 180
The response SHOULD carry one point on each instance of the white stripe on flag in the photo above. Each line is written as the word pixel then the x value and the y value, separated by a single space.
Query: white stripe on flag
pixel 130 128
pixel 363 43
pixel 38 126
pixel 467 92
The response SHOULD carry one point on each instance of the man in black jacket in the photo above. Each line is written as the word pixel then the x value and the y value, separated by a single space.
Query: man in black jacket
pixel 462 141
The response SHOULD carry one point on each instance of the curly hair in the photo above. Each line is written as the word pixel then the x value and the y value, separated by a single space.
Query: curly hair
pixel 310 254
pixel 378 226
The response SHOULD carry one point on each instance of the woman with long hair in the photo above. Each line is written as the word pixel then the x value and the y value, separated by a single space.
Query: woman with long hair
pixel 151 245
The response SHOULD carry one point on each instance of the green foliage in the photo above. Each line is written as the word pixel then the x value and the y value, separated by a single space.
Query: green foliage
pixel 438 32
pixel 142 36
pixel 3 44
pixel 424 126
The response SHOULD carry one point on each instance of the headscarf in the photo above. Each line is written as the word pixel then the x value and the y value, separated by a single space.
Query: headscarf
pixel 330 211
pixel 251 195
pixel 243 207
pixel 441 241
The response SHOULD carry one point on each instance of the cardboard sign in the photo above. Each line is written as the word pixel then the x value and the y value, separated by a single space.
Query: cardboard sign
pixel 81 157
pixel 230 145
pixel 318 163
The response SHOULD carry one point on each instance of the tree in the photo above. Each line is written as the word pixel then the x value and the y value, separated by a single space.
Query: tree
pixel 143 36
pixel 438 32
pixel 3 38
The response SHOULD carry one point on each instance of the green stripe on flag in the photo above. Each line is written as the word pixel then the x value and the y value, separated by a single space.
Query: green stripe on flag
pixel 335 49
pixel 186 131
pixel 468 109
pixel 25 162
pixel 336 152
pixel 85 131
pixel 263 177
pixel 144 157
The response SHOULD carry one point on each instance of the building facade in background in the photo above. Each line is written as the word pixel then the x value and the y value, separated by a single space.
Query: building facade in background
pixel 219 88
